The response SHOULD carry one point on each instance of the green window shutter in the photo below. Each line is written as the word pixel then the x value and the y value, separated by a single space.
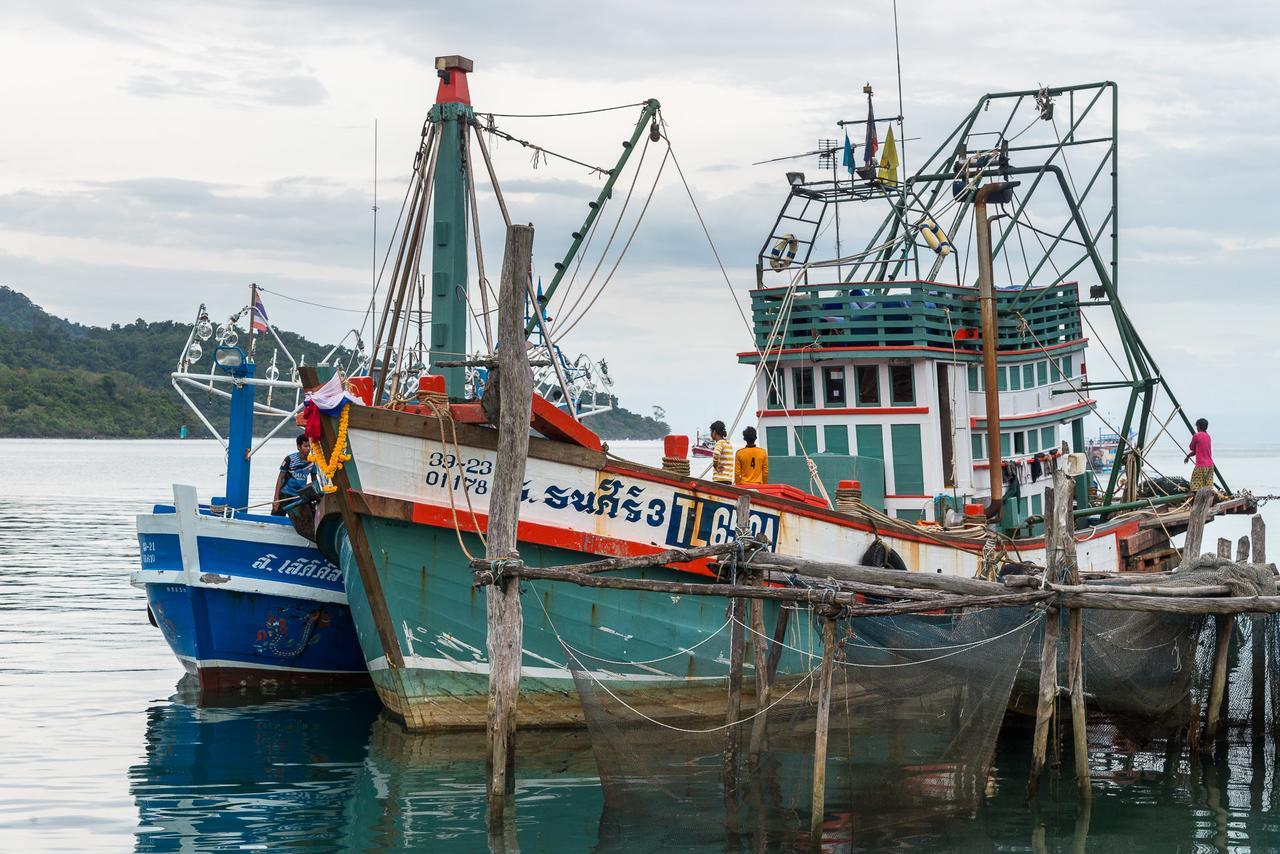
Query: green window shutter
pixel 910 515
pixel 1005 445
pixel 1020 442
pixel 1046 438
pixel 1002 381
pixel 975 440
pixel 1042 373
pixel 1066 366
pixel 1036 505
pixel 775 441
pixel 870 439
pixel 1015 378
pixel 908 462
pixel 973 378
pixel 806 440
pixel 835 438
pixel 1028 375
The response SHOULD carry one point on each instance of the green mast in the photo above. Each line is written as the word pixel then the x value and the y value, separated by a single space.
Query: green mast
pixel 451 115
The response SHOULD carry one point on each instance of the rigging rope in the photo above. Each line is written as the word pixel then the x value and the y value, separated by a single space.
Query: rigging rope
pixel 560 115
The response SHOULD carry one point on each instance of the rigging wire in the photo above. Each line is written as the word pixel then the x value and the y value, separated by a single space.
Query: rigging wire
pixel 561 332
pixel 737 303
pixel 559 115
pixel 283 295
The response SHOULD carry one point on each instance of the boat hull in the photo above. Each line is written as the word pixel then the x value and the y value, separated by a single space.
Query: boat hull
pixel 244 601
pixel 421 499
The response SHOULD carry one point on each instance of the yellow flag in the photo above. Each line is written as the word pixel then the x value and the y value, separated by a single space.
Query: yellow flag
pixel 889 160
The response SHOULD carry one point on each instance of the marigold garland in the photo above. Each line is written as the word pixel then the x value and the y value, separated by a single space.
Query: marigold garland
pixel 333 465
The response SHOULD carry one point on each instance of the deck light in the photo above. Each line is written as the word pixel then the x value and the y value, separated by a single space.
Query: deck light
pixel 795 179
pixel 194 352
pixel 229 357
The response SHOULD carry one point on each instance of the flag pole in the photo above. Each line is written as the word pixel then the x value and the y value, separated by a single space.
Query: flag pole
pixel 253 315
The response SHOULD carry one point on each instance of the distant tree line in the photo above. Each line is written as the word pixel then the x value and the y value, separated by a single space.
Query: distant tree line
pixel 64 380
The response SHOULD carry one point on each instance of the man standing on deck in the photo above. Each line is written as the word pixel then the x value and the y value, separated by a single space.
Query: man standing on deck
pixel 721 454
pixel 751 465
pixel 1202 450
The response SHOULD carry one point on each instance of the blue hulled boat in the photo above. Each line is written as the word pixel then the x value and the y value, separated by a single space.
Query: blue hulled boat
pixel 241 597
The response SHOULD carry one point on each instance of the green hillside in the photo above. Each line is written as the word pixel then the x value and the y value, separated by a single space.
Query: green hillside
pixel 64 380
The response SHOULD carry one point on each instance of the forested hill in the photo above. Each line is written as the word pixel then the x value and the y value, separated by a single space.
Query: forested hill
pixel 60 379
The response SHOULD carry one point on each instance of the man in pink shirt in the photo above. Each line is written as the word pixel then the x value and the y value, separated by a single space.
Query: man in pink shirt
pixel 1202 450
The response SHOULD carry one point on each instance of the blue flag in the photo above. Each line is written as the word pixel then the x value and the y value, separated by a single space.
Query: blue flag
pixel 848 153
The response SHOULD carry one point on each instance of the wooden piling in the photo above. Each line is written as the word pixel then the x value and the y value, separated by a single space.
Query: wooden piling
pixel 1047 697
pixel 1224 548
pixel 1195 525
pixel 1218 684
pixel 737 642
pixel 1258 710
pixel 504 643
pixel 821 731
pixel 1068 566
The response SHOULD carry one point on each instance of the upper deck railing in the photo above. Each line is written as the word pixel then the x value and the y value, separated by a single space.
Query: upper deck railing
pixel 913 314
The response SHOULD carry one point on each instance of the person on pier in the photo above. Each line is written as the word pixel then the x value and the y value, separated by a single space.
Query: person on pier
pixel 1202 449
pixel 751 464
pixel 722 461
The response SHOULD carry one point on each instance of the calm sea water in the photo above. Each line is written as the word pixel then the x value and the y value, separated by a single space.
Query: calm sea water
pixel 104 747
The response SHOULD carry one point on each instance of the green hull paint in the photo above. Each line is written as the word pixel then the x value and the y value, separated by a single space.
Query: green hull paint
pixel 439 620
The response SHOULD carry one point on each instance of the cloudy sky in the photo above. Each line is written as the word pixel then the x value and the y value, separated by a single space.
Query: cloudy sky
pixel 158 155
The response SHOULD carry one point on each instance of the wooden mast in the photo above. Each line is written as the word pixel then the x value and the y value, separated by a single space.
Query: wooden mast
pixel 997 192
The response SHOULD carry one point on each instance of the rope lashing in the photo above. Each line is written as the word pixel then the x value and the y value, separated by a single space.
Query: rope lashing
pixel 496 571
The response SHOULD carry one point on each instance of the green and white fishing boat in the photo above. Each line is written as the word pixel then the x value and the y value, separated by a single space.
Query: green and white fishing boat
pixel 900 364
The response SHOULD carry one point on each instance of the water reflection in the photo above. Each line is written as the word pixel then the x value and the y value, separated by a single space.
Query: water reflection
pixel 272 774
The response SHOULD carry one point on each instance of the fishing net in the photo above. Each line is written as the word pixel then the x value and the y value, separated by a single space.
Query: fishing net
pixel 916 705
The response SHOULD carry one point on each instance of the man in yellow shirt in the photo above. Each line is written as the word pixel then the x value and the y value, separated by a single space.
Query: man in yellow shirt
pixel 721 454
pixel 751 465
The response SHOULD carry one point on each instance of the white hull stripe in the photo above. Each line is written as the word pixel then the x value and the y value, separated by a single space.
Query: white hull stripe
pixel 210 663
pixel 235 584
pixel 481 668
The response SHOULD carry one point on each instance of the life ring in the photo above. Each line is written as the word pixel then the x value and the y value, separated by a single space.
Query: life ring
pixel 784 252
pixel 881 556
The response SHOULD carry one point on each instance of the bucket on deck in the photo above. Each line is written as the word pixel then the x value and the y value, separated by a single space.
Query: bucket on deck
pixel 675 446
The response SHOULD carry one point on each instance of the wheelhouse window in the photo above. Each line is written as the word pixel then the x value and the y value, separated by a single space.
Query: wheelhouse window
pixel 833 387
pixel 802 385
pixel 902 387
pixel 777 389
pixel 868 379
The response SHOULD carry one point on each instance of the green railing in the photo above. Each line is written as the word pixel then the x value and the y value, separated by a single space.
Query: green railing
pixel 914 314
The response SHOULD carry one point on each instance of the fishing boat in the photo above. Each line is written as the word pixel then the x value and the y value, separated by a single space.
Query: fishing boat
pixel 948 395
pixel 241 597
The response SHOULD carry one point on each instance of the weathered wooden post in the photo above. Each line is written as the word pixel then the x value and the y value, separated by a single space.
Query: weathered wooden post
pixel 1195 525
pixel 502 599
pixel 1225 622
pixel 1048 658
pixel 1258 711
pixel 1065 555
pixel 821 730
pixel 733 711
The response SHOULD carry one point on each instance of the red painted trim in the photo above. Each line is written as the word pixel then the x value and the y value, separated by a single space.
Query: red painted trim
pixel 897 347
pixel 975 421
pixel 549 535
pixel 865 410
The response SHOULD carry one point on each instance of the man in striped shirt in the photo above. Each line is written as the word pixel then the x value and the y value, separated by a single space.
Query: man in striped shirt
pixel 722 462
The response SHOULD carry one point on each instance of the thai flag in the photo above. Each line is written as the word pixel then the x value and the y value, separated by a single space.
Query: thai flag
pixel 873 142
pixel 259 317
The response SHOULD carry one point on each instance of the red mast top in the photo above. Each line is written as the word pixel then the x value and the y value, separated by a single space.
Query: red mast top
pixel 452 71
